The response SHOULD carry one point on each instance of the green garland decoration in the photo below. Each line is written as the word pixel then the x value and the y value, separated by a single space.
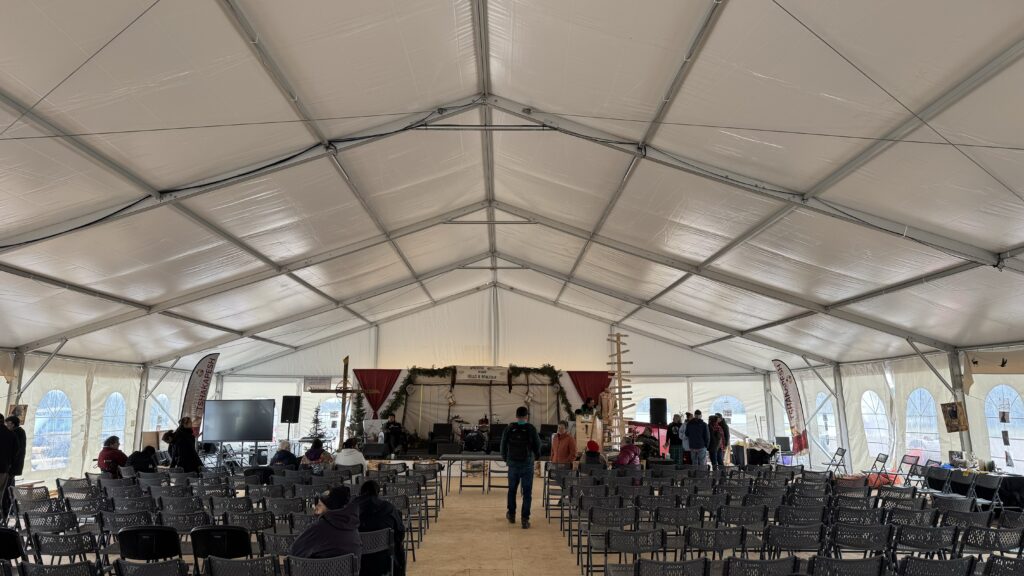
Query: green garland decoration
pixel 402 395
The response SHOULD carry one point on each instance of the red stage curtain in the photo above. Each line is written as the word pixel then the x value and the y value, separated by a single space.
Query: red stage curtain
pixel 590 384
pixel 376 385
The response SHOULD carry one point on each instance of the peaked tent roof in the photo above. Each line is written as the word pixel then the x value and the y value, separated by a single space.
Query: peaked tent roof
pixel 838 182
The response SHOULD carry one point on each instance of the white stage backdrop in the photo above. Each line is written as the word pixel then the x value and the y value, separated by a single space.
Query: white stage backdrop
pixel 427 405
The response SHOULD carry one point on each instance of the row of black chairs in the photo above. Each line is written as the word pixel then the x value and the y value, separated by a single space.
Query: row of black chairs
pixel 817 566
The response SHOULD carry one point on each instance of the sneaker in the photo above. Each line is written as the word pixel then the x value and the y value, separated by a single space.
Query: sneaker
pixel 511 517
pixel 526 523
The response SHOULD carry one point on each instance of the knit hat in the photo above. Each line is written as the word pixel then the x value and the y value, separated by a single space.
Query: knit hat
pixel 593 447
pixel 335 498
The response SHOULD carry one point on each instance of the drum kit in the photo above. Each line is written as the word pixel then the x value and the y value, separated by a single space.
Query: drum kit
pixel 474 438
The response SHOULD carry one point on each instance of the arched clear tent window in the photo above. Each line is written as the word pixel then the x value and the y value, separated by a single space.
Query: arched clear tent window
pixel 159 414
pixel 51 436
pixel 876 424
pixel 828 431
pixel 1004 415
pixel 114 414
pixel 922 426
pixel 732 409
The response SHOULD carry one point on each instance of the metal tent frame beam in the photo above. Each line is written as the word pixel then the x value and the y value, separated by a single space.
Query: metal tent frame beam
pixel 692 51
pixel 342 304
pixel 723 278
pixel 223 287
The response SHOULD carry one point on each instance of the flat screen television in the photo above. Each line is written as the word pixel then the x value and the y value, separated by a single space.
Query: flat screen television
pixel 238 421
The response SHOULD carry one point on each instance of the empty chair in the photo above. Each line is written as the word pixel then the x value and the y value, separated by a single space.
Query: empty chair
pixel 77 489
pixel 51 522
pixel 750 567
pixel 285 506
pixel 220 541
pixel 952 503
pixel 850 501
pixel 76 569
pixel 211 490
pixel 695 567
pixel 824 566
pixel 159 492
pixel 700 542
pixel 1001 541
pixel 799 515
pixel 986 491
pixel 917 503
pixel 1004 566
pixel 897 492
pixel 907 464
pixel 963 520
pixel 300 522
pixel 864 516
pixel 913 566
pixel 753 518
pixel 276 544
pixel 181 504
pixel 132 491
pixel 184 522
pixel 898 517
pixel 709 503
pixel 219 505
pixel 792 539
pixel 378 551
pixel 87 510
pixel 259 566
pixel 74 546
pixel 126 471
pixel 346 565
pixel 135 504
pixel 161 568
pixel 149 543
pixel 634 544
pixel 254 522
pixel 865 539
pixel 257 493
pixel 926 541
pixel 675 521
pixel 1011 519
pixel 936 480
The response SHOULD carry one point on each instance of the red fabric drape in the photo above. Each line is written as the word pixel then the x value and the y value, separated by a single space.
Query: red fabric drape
pixel 590 384
pixel 376 385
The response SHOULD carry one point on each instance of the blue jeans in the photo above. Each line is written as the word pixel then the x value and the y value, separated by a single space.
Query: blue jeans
pixel 520 473
pixel 717 458
pixel 699 457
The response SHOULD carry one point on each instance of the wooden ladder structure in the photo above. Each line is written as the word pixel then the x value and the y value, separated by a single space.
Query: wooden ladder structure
pixel 615 423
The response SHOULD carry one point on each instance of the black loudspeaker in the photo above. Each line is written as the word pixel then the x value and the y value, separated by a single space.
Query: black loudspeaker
pixel 290 410
pixel 375 451
pixel 659 411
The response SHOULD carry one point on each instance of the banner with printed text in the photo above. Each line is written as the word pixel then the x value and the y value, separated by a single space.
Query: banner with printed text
pixel 197 390
pixel 794 407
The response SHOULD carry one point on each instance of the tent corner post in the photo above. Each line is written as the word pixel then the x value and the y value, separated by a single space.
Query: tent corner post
pixel 844 429
pixel 956 376
pixel 140 411
pixel 769 407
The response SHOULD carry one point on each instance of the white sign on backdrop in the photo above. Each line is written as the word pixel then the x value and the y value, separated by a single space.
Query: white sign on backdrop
pixel 484 374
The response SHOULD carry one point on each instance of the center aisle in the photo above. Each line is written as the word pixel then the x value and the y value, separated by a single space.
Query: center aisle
pixel 474 539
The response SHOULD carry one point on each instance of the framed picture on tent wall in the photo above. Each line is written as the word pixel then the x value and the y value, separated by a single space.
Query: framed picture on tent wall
pixel 19 410
pixel 955 416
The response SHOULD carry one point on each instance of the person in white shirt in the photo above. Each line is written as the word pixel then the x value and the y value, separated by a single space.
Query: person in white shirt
pixel 350 454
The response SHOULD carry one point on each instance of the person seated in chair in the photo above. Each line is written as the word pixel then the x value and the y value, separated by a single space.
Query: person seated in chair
pixel 284 455
pixel 144 461
pixel 378 514
pixel 629 455
pixel 350 455
pixel 316 456
pixel 648 443
pixel 111 458
pixel 394 436
pixel 336 531
pixel 593 455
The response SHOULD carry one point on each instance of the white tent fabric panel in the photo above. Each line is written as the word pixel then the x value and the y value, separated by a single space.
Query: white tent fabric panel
pixel 673 328
pixel 30 310
pixel 908 375
pixel 532 282
pixel 173 387
pixel 825 260
pixel 979 306
pixel 733 307
pixel 753 353
pixel 149 257
pixel 682 215
pixel 314 328
pixel 674 391
pixel 915 70
pixel 560 58
pixel 322 360
pixel 975 207
pixel 456 281
pixel 410 60
pixel 458 332
pixel 533 334
pixel 357 273
pixel 255 304
pixel 538 245
pixel 289 214
pixel 654 357
pixel 239 352
pixel 979 119
pixel 140 340
pixel 108 379
pixel 391 303
pixel 48 174
pixel 555 175
pixel 418 174
pixel 595 303
pixel 838 339
pixel 748 390
pixel 858 379
pixel 976 414
pixel 443 245
pixel 625 273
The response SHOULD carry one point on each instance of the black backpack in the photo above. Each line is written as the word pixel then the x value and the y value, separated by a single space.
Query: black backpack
pixel 519 442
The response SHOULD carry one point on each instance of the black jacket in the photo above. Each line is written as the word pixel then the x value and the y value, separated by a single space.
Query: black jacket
pixel 335 533
pixel 284 458
pixel 8 450
pixel 697 434
pixel 18 464
pixel 377 514
pixel 183 450
pixel 142 462
pixel 533 449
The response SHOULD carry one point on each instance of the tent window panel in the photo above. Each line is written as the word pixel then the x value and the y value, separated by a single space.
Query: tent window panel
pixel 114 414
pixel 51 437
pixel 732 409
pixel 159 414
pixel 1004 417
pixel 876 423
pixel 828 430
pixel 922 426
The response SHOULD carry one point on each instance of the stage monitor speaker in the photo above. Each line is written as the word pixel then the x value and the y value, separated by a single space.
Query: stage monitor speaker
pixel 659 411
pixel 290 410
pixel 375 451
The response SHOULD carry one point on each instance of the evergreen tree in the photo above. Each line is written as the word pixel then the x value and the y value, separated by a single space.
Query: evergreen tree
pixel 317 431
pixel 355 425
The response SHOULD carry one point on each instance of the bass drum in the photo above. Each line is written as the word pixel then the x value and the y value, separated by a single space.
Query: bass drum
pixel 474 441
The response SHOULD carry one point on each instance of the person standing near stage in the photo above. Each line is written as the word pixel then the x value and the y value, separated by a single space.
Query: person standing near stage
pixel 520 446
pixel 699 438
pixel 183 447
pixel 563 445
pixel 674 441
pixel 394 437
pixel 13 423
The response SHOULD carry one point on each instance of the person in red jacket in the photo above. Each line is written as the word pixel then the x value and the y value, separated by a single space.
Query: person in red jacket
pixel 111 457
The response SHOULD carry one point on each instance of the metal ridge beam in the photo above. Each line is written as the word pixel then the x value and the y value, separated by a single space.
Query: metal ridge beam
pixel 644 333
pixel 692 50
pixel 316 311
pixel 721 176
pixel 221 288
pixel 663 310
pixel 358 329
pixel 723 278
pixel 482 44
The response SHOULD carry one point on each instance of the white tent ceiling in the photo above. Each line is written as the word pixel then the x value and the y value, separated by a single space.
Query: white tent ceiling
pixel 741 179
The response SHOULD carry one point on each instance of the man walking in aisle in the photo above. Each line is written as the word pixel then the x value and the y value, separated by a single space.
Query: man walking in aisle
pixel 698 436
pixel 520 446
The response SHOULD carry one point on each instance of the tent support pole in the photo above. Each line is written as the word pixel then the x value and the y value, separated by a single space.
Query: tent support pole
pixel 140 410
pixel 769 407
pixel 844 430
pixel 149 393
pixel 818 374
pixel 39 370
pixel 14 386
pixel 957 376
pixel 930 366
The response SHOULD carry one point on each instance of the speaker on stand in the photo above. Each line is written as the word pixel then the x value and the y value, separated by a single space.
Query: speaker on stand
pixel 659 412
pixel 290 412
